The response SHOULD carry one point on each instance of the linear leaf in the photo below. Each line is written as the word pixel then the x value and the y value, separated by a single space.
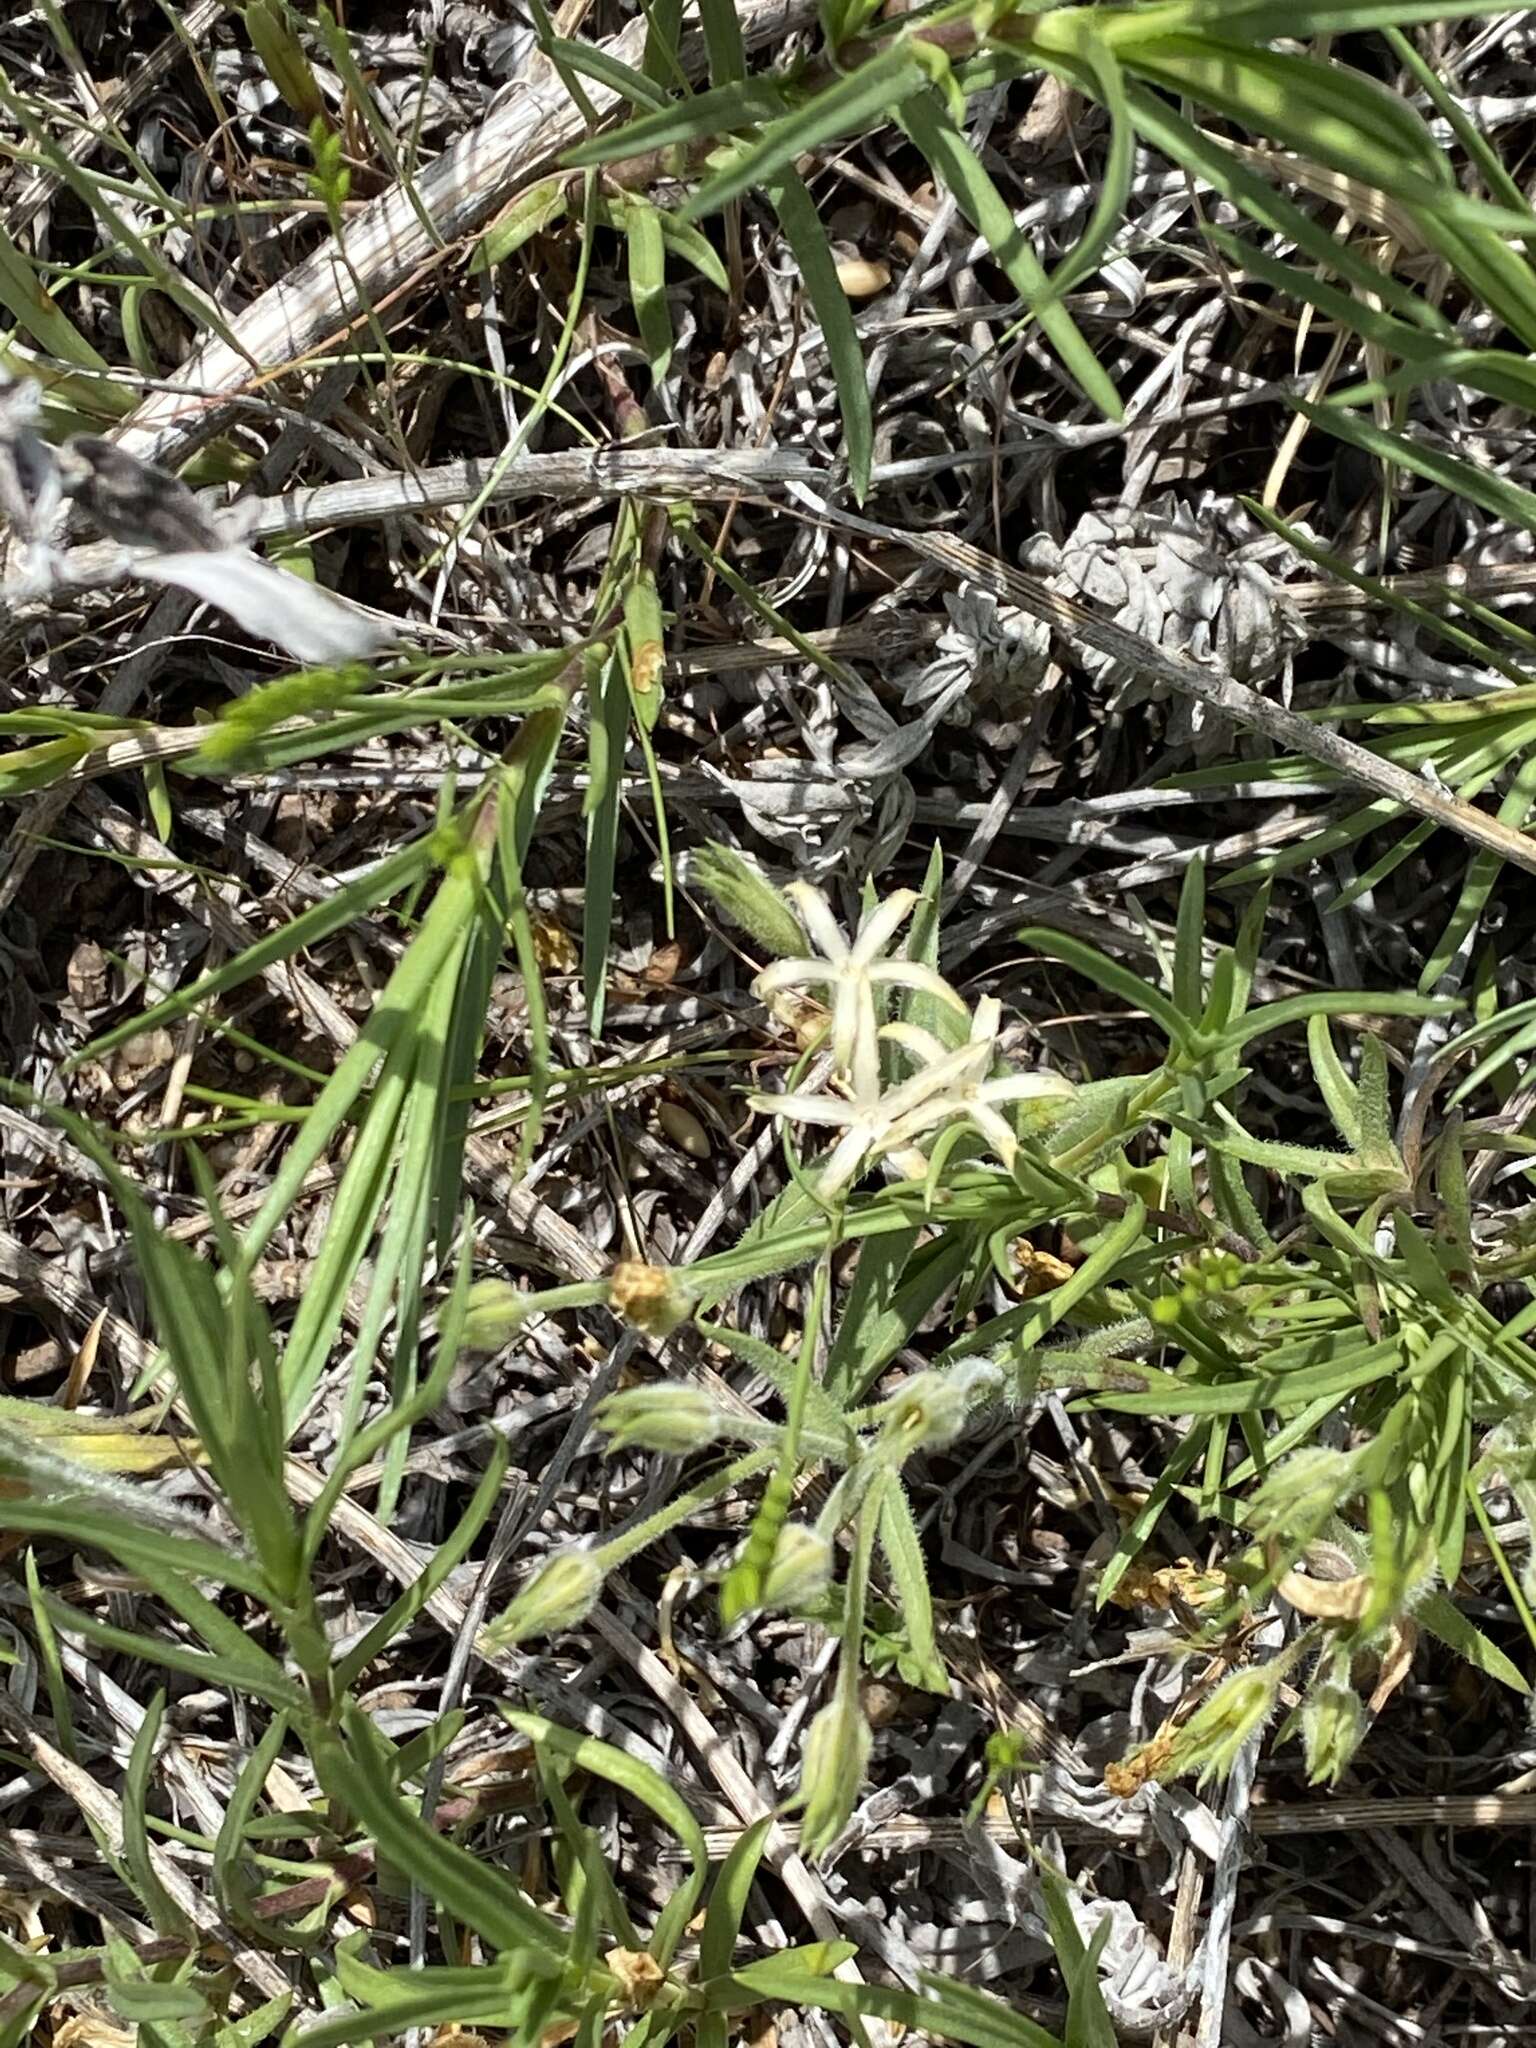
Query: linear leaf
pixel 903 1551
pixel 352 901
pixel 353 1768
pixel 808 239
pixel 165 1915
pixel 855 100
pixel 957 167
pixel 707 115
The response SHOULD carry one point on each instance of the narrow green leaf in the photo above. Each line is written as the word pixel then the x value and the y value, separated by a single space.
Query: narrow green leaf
pixel 166 1916
pixel 808 240
pixel 1360 1002
pixel 1445 1621
pixel 445 1560
pixel 941 2006
pixel 237 1676
pixel 1495 493
pixel 1108 974
pixel 722 41
pixel 589 60
pixel 648 283
pixel 1108 216
pixel 1088 2021
pixel 586 1753
pixel 605 761
pixel 228 1877
pixel 351 1765
pixel 726 1914
pixel 352 901
pixel 705 116
pixel 853 101
pixel 903 1550
pixel 1183 143
pixel 957 167
pixel 1328 112
pixel 38 314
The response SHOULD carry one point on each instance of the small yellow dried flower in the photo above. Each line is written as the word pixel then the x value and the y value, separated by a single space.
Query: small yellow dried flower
pixel 640 1977
pixel 649 1297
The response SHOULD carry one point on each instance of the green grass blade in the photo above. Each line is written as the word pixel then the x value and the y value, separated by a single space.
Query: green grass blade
pixel 165 1915
pixel 808 239
pixel 722 42
pixel 957 167
pixel 353 1767
pixel 605 767
pixel 354 900
pixel 855 100
pixel 704 117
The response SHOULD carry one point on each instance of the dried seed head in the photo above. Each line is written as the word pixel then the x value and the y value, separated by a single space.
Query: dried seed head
pixel 640 1977
pixel 649 1297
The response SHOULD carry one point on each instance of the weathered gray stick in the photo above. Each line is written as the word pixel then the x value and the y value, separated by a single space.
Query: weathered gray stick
pixel 385 245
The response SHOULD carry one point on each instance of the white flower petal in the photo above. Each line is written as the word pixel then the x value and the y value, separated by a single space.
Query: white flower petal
pixel 877 930
pixel 855 1043
pixel 816 916
pixel 1024 1087
pixel 995 1130
pixel 843 1162
pixel 912 1038
pixel 944 1079
pixel 781 974
pixel 986 1018
pixel 807 1109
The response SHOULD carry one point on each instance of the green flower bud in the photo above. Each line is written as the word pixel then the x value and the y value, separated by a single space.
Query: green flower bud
pixel 1301 1495
pixel 1212 1738
pixel 837 1747
pixel 801 1570
pixel 929 1411
pixel 746 896
pixel 650 1297
pixel 496 1312
pixel 1332 1725
pixel 671 1418
pixel 560 1596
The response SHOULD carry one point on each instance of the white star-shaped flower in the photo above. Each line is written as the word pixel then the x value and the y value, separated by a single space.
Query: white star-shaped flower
pixel 949 1086
pixel 850 971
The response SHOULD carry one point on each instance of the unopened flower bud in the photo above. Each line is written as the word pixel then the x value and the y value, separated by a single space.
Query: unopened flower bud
pixel 741 889
pixel 930 1410
pixel 670 1418
pixel 1332 1726
pixel 495 1313
pixel 560 1596
pixel 837 1747
pixel 650 1297
pixel 801 1570
pixel 1211 1740
pixel 1301 1495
